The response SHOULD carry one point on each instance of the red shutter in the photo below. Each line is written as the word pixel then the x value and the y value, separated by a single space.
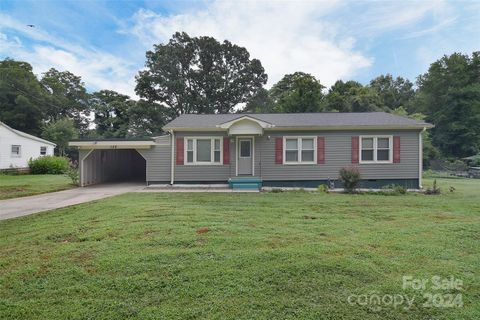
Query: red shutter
pixel 278 150
pixel 226 151
pixel 396 149
pixel 355 149
pixel 180 151
pixel 320 150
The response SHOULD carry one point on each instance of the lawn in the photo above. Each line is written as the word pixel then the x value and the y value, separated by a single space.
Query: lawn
pixel 13 186
pixel 291 255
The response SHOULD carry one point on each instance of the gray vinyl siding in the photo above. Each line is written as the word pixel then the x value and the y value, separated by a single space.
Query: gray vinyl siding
pixel 337 155
pixel 338 151
pixel 203 173
pixel 158 160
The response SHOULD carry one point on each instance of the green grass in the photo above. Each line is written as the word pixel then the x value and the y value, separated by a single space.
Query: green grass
pixel 13 186
pixel 291 255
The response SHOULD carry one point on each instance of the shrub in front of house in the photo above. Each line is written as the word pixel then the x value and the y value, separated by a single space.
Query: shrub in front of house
pixel 434 190
pixel 394 190
pixel 73 173
pixel 48 165
pixel 323 189
pixel 350 176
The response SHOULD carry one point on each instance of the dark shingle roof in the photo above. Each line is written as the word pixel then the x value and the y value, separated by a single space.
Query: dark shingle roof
pixel 292 120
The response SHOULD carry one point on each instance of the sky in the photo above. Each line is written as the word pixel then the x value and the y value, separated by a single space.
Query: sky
pixel 105 42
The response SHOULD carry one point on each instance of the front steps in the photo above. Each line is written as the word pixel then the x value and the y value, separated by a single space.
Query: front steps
pixel 245 183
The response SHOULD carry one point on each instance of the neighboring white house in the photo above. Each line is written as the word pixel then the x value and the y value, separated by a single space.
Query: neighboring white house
pixel 17 147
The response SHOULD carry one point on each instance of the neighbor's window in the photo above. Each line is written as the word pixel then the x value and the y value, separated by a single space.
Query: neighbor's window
pixel 376 149
pixel 203 150
pixel 299 150
pixel 43 151
pixel 16 151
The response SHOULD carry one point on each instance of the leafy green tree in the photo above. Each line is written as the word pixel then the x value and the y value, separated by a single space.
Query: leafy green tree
pixel 449 95
pixel 365 99
pixel 22 98
pixel 430 152
pixel 297 92
pixel 260 103
pixel 67 97
pixel 394 93
pixel 199 75
pixel 148 118
pixel 111 113
pixel 457 126
pixel 60 131
pixel 351 96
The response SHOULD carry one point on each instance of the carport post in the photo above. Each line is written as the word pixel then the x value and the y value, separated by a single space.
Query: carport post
pixel 81 167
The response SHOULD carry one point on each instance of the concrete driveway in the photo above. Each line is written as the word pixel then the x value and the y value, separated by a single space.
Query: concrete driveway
pixel 18 207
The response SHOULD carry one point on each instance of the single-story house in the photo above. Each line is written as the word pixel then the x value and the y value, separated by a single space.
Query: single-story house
pixel 252 150
pixel 17 147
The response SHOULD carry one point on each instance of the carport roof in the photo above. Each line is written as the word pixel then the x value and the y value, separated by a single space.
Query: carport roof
pixel 113 144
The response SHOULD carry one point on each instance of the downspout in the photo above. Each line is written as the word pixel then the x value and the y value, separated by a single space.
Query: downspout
pixel 420 157
pixel 172 165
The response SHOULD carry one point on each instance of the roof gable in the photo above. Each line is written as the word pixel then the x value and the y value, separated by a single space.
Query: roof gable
pixel 261 123
pixel 26 135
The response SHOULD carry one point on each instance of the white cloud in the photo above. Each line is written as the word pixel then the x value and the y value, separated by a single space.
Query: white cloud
pixel 285 36
pixel 98 69
pixel 318 37
pixel 381 16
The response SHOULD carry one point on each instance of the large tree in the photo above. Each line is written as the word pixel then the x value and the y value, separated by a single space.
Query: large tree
pixel 67 97
pixel 449 94
pixel 111 110
pixel 199 75
pixel 394 93
pixel 148 118
pixel 351 96
pixel 60 131
pixel 262 102
pixel 297 92
pixel 22 98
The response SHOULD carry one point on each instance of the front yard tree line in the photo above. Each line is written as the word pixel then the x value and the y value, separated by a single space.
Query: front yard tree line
pixel 202 75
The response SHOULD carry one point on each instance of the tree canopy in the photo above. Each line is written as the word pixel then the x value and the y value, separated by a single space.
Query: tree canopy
pixel 22 98
pixel 449 95
pixel 297 92
pixel 199 75
pixel 202 75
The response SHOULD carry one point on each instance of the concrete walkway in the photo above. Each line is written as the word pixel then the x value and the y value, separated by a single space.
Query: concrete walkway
pixel 18 207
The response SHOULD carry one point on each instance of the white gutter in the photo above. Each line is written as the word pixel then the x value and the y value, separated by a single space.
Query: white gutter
pixel 172 169
pixel 318 128
pixel 420 158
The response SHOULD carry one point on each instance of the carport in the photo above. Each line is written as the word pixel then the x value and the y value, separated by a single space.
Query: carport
pixel 112 161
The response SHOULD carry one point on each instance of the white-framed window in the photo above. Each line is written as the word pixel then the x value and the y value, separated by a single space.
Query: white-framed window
pixel 203 150
pixel 376 149
pixel 16 151
pixel 300 150
pixel 43 151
